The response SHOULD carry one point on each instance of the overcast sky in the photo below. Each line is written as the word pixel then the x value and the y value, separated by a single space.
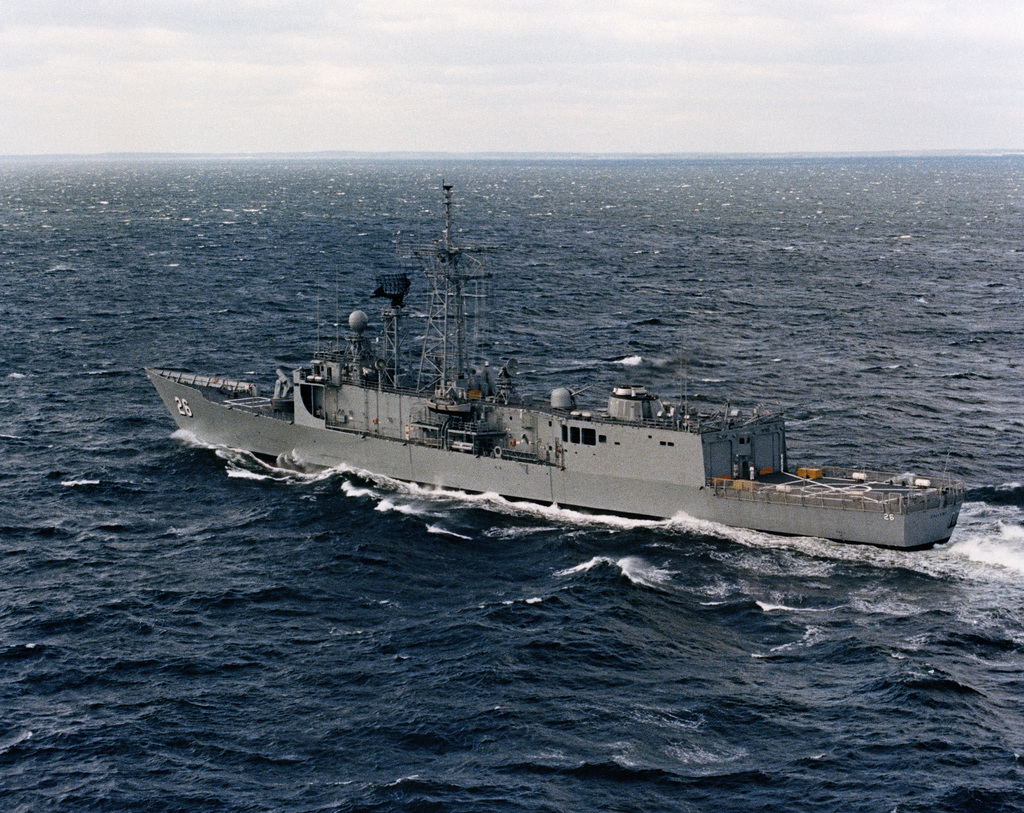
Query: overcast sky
pixel 88 76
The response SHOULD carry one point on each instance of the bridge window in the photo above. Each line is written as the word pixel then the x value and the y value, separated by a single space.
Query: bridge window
pixel 586 435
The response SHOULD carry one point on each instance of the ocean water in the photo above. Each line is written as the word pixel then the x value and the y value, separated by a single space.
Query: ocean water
pixel 182 628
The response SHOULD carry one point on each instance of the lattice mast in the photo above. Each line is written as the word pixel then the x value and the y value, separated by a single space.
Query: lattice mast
pixel 444 363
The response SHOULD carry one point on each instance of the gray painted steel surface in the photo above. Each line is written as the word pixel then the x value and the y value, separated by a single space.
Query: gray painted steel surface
pixel 638 469
pixel 467 429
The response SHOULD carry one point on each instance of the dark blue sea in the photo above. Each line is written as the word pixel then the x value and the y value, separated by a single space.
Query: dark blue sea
pixel 183 629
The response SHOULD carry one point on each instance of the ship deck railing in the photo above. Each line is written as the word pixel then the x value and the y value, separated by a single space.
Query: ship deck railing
pixel 837 488
pixel 225 385
pixel 695 425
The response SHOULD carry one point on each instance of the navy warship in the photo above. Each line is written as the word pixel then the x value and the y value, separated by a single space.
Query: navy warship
pixel 467 429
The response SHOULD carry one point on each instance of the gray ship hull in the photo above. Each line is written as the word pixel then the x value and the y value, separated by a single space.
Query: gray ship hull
pixel 382 432
pixel 465 428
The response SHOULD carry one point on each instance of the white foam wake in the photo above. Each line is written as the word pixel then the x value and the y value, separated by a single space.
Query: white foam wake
pixel 999 546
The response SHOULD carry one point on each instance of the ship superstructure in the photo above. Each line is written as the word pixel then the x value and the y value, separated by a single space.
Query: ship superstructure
pixel 468 429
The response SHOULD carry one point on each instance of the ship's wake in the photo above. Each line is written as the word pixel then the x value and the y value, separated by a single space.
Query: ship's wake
pixel 991 536
pixel 987 544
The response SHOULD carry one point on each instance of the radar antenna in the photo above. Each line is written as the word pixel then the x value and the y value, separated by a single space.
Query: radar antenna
pixel 393 287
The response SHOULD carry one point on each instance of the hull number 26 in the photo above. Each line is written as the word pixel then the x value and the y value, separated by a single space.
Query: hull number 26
pixel 183 407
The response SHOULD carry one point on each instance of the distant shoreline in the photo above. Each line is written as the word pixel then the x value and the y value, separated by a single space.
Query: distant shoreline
pixel 335 155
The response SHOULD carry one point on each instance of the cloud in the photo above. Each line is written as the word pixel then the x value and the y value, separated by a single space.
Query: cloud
pixel 663 75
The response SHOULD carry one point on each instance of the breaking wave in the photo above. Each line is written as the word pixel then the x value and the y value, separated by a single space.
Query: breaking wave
pixel 634 568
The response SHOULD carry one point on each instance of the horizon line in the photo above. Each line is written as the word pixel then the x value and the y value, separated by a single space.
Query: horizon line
pixel 512 155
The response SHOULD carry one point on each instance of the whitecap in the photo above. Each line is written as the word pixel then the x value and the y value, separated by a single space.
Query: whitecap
pixel 775 608
pixel 350 490
pixel 812 635
pixel 634 568
pixel 514 532
pixel 771 608
pixel 245 474
pixel 17 738
pixel 639 571
pixel 387 504
pixel 437 529
pixel 78 483
pixel 582 568
pixel 630 361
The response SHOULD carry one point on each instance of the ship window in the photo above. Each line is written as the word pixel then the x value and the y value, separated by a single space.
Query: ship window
pixel 574 434
pixel 602 438
pixel 565 433
pixel 589 437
